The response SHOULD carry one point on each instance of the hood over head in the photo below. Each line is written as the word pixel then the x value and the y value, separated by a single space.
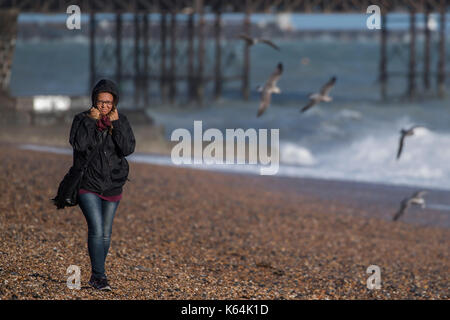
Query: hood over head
pixel 105 85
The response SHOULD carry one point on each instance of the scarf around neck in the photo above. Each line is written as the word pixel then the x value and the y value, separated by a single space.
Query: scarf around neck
pixel 103 123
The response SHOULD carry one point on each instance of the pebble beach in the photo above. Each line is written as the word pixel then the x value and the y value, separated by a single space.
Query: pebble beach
pixel 181 233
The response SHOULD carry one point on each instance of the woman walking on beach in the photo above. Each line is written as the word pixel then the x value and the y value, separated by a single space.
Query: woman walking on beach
pixel 101 188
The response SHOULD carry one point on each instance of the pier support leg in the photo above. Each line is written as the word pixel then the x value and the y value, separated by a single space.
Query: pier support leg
pixel 146 71
pixel 8 34
pixel 412 55
pixel 426 57
pixel 119 50
pixel 163 79
pixel 218 66
pixel 190 54
pixel 92 74
pixel 383 57
pixel 441 63
pixel 137 69
pixel 173 52
pixel 246 70
pixel 201 52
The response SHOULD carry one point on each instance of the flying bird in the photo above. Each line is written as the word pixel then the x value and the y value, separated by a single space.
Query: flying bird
pixel 269 87
pixel 316 98
pixel 415 199
pixel 252 41
pixel 403 134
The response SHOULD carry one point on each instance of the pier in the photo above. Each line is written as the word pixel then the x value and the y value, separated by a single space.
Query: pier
pixel 185 70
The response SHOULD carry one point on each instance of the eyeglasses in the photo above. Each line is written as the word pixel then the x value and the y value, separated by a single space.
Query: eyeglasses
pixel 108 103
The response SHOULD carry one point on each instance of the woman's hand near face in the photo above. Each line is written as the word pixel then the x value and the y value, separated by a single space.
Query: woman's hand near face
pixel 114 115
pixel 95 113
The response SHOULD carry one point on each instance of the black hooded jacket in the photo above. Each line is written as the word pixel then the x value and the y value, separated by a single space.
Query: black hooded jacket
pixel 108 170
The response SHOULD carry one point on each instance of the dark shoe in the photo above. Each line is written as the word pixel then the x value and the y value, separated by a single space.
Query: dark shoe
pixel 99 283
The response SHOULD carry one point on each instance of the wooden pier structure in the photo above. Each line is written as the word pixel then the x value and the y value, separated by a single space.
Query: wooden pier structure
pixel 169 76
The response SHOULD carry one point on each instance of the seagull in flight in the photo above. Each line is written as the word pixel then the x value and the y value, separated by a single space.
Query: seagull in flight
pixel 252 41
pixel 415 199
pixel 269 87
pixel 316 98
pixel 403 134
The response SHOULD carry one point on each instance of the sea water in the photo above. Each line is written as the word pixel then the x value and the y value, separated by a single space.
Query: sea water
pixel 354 137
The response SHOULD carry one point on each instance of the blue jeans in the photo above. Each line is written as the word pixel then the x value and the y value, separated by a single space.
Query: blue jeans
pixel 99 216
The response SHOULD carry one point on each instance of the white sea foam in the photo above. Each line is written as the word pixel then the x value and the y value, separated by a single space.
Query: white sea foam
pixel 371 158
pixel 291 153
pixel 41 148
pixel 424 160
pixel 350 114
pixel 350 141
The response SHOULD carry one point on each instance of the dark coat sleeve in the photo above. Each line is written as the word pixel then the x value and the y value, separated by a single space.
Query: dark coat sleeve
pixel 123 136
pixel 82 133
